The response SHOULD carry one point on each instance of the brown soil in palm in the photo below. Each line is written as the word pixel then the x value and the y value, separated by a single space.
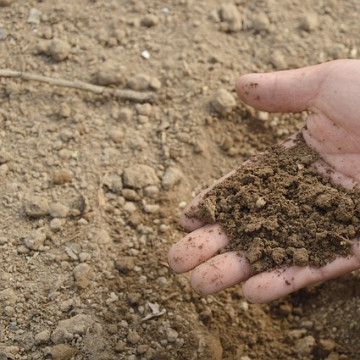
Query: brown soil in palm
pixel 281 211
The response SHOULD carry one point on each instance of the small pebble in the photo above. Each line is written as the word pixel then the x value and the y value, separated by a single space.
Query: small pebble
pixel 35 240
pixel 60 177
pixel 55 224
pixel 111 72
pixel 260 22
pixel 82 275
pixel 36 207
pixel 125 264
pixel 171 335
pixel 138 176
pixel 114 183
pixel 223 102
pixel 305 345
pixel 133 337
pixel 309 22
pixel 58 210
pixel 34 17
pixel 42 337
pixel 172 177
pixel 230 17
pixel 145 54
pixel 139 82
pixel 59 49
pixel 149 20
pixel 62 352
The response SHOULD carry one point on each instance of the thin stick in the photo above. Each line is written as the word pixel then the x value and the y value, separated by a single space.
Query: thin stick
pixel 120 94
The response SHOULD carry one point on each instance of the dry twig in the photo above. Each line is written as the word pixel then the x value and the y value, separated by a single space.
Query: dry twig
pixel 119 94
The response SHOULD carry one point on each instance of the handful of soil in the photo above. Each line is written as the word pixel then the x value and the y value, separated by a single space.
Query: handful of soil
pixel 280 211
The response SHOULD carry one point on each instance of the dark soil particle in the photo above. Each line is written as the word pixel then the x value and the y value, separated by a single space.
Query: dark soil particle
pixel 281 211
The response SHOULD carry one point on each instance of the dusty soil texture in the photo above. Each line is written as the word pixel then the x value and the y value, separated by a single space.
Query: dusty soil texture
pixel 92 187
pixel 281 211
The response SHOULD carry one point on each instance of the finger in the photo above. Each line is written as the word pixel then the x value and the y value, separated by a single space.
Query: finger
pixel 220 272
pixel 192 223
pixel 197 247
pixel 272 285
pixel 283 91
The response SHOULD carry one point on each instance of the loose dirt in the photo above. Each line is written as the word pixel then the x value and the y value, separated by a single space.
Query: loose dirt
pixel 92 186
pixel 281 211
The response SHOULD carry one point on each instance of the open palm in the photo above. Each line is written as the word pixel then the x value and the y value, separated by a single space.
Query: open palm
pixel 330 92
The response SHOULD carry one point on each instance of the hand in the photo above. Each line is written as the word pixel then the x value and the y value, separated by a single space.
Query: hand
pixel 331 93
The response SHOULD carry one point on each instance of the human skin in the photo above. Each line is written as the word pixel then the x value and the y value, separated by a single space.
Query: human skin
pixel 330 92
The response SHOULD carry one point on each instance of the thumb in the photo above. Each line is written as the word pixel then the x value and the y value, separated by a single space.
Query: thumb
pixel 283 91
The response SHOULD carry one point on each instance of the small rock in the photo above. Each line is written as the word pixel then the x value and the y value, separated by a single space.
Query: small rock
pixel 171 335
pixel 82 275
pixel 149 20
pixel 278 60
pixel 144 109
pixel 3 33
pixel 36 207
pixel 230 15
pixel 4 157
pixel 4 169
pixel 64 110
pixel 58 210
pixel 139 82
pixel 130 194
pixel 125 264
pixel 55 225
pixel 151 191
pixel 129 207
pixel 62 352
pixel 35 240
pixel 325 347
pixel 111 73
pixel 116 135
pixel 133 337
pixel 260 22
pixel 305 345
pixel 8 297
pixel 309 22
pixel 172 177
pixel 60 177
pixel 42 337
pixel 138 176
pixel 78 324
pixel 223 102
pixel 114 183
pixel 59 49
pixel 34 17
pixel 151 208
pixel 125 115
pixel 66 305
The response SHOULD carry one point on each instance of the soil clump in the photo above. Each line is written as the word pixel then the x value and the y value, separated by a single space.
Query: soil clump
pixel 281 211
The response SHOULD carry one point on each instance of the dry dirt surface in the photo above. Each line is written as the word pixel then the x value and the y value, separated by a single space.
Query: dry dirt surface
pixel 92 186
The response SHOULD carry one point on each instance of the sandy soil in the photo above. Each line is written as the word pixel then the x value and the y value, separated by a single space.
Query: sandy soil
pixel 92 186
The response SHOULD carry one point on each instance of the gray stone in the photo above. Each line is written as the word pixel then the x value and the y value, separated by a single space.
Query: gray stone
pixel 82 275
pixel 58 210
pixel 42 337
pixel 138 176
pixel 34 17
pixel 171 177
pixel 36 206
pixel 111 72
pixel 223 102
pixel 66 329
pixel 113 183
pixel 35 240
pixel 59 49
pixel 230 15
pixel 305 345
